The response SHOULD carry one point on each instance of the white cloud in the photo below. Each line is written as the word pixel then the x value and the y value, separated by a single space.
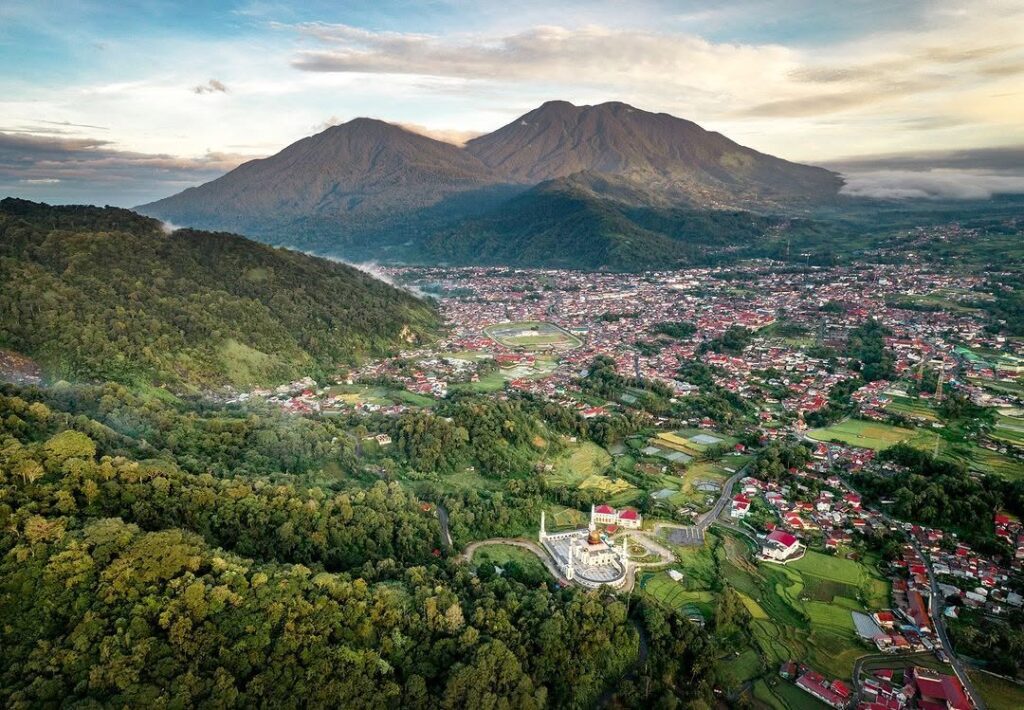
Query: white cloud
pixel 931 184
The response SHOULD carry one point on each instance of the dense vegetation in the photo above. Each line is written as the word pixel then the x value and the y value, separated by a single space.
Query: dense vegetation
pixel 564 223
pixel 940 493
pixel 134 582
pixel 104 294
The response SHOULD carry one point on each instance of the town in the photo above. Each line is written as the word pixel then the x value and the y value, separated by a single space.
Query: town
pixel 846 597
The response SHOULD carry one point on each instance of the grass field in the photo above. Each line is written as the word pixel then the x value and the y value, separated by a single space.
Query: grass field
pixel 501 555
pixel 531 335
pixel 867 435
pixel 997 693
pixel 579 462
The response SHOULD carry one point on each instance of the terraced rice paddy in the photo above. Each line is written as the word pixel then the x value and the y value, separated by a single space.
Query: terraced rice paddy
pixel 912 407
pixel 800 611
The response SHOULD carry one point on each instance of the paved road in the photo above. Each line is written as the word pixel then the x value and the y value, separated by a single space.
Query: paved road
pixel 446 534
pixel 938 621
pixel 694 534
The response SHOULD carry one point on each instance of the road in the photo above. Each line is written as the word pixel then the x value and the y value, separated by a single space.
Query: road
pixel 446 534
pixel 938 621
pixel 694 534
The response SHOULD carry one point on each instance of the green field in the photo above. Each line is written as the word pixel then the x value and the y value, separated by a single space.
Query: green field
pixel 800 611
pixel 356 395
pixel 997 693
pixel 578 463
pixel 864 434
pixel 912 407
pixel 501 555
pixel 1009 429
pixel 531 335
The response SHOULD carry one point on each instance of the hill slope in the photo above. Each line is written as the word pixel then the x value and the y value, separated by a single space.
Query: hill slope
pixel 588 221
pixel 103 293
pixel 369 189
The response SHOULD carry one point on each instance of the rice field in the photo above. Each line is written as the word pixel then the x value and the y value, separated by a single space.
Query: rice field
pixel 866 435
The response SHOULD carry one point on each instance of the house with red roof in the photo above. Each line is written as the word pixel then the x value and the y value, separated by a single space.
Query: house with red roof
pixel 937 691
pixel 781 547
pixel 604 514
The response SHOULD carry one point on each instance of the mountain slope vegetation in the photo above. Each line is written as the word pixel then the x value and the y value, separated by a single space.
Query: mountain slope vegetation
pixel 105 294
pixel 588 222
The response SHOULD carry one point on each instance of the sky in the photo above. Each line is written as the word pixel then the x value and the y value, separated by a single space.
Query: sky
pixel 122 103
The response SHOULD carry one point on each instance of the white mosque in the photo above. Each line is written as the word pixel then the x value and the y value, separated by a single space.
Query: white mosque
pixel 586 556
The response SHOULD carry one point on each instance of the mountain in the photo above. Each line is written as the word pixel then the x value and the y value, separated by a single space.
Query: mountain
pixel 351 174
pixel 106 294
pixel 372 190
pixel 671 156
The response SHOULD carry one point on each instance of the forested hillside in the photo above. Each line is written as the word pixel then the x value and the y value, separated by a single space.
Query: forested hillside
pixel 135 582
pixel 105 294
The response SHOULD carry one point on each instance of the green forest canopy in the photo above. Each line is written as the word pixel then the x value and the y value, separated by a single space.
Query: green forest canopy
pixel 105 294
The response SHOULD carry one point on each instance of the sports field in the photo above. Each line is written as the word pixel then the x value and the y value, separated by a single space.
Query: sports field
pixel 867 435
pixel 532 335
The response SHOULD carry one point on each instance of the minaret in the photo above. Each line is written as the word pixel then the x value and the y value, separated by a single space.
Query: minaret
pixel 591 516
pixel 569 571
pixel 543 534
pixel 625 550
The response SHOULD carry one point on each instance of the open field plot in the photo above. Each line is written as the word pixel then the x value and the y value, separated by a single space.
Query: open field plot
pixel 703 475
pixel 532 335
pixel 584 466
pixel 866 435
pixel 563 518
pixel 693 442
pixel 495 381
pixel 1009 429
pixel 795 626
pixel 578 463
pixel 1014 387
pixel 500 556
pixel 997 693
pixel 979 459
pixel 736 670
pixel 912 407
pixel 356 395
pixel 675 595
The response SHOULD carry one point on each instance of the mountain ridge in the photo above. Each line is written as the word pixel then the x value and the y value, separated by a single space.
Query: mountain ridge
pixel 369 186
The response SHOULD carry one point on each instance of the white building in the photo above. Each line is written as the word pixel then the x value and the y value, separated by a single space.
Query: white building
pixel 607 515
pixel 781 546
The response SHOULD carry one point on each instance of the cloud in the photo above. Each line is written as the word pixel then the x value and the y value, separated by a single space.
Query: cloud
pixel 210 87
pixel 92 169
pixel 939 183
pixel 445 135
pixel 975 174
